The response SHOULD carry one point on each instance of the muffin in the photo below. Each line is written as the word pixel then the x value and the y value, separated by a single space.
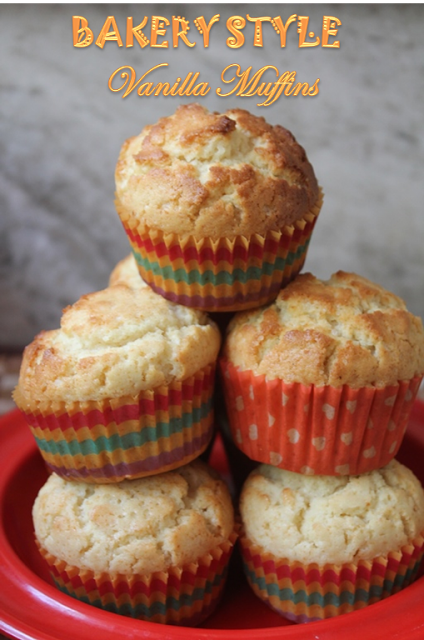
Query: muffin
pixel 218 208
pixel 318 546
pixel 126 272
pixel 123 389
pixel 323 379
pixel 154 548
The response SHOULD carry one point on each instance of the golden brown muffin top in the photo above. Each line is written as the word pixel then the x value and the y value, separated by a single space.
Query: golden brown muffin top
pixel 115 343
pixel 346 330
pixel 135 526
pixel 214 175
pixel 329 519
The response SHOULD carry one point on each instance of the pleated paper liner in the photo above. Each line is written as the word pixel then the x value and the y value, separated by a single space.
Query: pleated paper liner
pixel 180 596
pixel 223 274
pixel 129 437
pixel 304 593
pixel 316 430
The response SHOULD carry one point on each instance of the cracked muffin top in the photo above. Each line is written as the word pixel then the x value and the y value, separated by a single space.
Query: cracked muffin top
pixel 135 526
pixel 214 175
pixel 328 519
pixel 346 330
pixel 115 343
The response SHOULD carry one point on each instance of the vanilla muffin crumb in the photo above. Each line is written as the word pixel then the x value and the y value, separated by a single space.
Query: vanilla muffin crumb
pixel 136 526
pixel 327 519
pixel 115 343
pixel 346 330
pixel 214 175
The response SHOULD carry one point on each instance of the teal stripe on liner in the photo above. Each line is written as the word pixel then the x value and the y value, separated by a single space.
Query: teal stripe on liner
pixel 360 595
pixel 129 440
pixel 222 277
pixel 401 579
pixel 315 598
pixel 175 604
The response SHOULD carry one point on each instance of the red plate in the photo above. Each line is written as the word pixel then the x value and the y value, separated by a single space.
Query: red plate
pixel 32 609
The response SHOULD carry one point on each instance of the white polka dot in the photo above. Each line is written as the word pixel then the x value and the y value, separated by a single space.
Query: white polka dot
pixel 271 420
pixel 347 438
pixel 391 426
pixel 351 406
pixel 285 399
pixel 319 443
pixel 369 453
pixel 393 447
pixel 408 395
pixel 253 432
pixel 370 424
pixel 275 458
pixel 329 411
pixel 239 403
pixel 293 435
pixel 251 394
pixel 342 469
pixel 306 408
pixel 307 471
pixel 389 402
pixel 239 439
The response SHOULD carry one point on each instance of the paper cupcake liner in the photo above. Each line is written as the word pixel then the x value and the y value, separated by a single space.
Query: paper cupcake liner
pixel 179 596
pixel 223 274
pixel 303 593
pixel 316 430
pixel 130 437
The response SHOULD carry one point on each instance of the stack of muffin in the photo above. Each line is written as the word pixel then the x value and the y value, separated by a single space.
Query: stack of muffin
pixel 119 400
pixel 219 210
pixel 319 386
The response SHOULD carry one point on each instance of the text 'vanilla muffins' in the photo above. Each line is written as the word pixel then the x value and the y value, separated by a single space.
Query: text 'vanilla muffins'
pixel 123 389
pixel 322 380
pixel 218 208
pixel 155 548
pixel 318 546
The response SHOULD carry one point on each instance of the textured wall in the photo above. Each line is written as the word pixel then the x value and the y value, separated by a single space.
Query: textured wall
pixel 61 129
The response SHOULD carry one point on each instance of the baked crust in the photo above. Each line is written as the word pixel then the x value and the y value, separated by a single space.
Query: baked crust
pixel 329 519
pixel 214 175
pixel 137 526
pixel 115 343
pixel 346 330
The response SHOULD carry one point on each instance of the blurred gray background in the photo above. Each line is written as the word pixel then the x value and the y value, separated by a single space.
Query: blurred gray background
pixel 61 129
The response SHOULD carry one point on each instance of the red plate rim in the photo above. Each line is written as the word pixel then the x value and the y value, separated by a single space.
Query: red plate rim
pixel 32 609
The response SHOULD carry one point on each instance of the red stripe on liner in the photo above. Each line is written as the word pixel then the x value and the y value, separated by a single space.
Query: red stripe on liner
pixel 118 415
pixel 222 254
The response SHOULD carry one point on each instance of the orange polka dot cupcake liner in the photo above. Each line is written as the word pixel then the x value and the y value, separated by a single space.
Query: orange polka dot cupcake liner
pixel 223 274
pixel 179 596
pixel 316 430
pixel 308 592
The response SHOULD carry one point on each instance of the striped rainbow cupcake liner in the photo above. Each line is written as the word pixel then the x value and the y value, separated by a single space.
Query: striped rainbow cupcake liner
pixel 179 596
pixel 223 274
pixel 304 593
pixel 316 430
pixel 129 437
